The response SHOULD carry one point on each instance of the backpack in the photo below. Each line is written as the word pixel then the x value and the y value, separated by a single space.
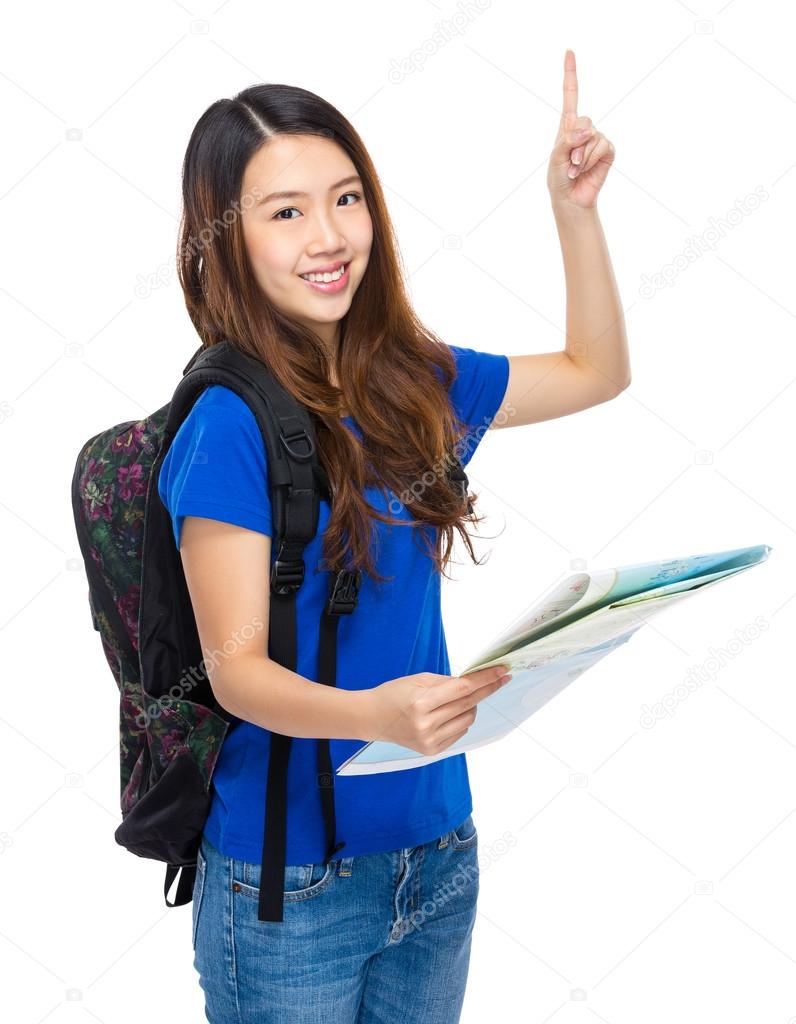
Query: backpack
pixel 171 727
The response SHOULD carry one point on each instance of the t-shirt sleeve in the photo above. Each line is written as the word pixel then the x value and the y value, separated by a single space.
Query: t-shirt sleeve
pixel 477 393
pixel 216 466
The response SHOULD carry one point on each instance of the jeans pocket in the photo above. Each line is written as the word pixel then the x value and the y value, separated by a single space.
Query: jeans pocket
pixel 198 893
pixel 464 836
pixel 302 881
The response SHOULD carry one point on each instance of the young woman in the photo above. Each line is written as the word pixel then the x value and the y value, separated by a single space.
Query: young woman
pixel 286 248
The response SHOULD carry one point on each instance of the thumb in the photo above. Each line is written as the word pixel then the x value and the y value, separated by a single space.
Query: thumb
pixel 569 140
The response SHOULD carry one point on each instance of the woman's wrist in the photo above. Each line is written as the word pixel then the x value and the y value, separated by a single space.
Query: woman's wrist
pixel 567 213
pixel 363 714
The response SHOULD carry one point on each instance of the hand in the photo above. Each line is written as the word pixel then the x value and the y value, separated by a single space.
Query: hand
pixel 586 156
pixel 428 712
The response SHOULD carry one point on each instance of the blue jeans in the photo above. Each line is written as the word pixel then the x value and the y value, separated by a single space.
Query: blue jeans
pixel 374 939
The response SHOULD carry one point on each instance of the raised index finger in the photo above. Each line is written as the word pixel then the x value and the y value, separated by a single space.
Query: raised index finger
pixel 570 108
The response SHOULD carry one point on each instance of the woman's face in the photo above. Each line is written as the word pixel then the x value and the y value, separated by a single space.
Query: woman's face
pixel 287 236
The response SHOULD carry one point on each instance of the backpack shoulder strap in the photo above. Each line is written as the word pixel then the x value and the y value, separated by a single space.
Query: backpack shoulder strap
pixel 289 438
pixel 295 479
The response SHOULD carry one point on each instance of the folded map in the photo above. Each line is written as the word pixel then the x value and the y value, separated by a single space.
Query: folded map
pixel 576 623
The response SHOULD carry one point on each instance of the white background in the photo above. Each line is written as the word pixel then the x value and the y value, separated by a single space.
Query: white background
pixel 649 871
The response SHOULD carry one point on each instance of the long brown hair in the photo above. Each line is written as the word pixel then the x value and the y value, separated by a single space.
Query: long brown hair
pixel 394 373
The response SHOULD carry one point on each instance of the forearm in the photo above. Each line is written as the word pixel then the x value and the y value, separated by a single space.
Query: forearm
pixel 267 694
pixel 596 338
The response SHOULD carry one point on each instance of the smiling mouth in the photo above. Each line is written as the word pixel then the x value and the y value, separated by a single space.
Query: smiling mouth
pixel 339 269
pixel 334 285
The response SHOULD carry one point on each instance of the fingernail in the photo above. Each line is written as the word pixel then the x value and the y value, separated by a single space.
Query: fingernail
pixel 583 131
pixel 506 678
pixel 576 158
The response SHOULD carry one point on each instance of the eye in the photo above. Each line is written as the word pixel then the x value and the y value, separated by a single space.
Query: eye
pixel 277 216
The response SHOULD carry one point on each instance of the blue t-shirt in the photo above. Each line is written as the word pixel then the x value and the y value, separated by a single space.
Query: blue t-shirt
pixel 216 468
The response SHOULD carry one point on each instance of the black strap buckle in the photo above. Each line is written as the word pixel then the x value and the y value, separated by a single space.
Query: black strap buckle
pixel 344 591
pixel 459 480
pixel 287 575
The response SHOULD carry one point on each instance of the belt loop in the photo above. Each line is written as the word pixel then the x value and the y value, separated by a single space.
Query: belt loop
pixel 346 866
pixel 443 841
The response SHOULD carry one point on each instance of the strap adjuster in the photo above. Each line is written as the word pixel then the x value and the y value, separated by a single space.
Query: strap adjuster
pixel 287 575
pixel 460 482
pixel 344 591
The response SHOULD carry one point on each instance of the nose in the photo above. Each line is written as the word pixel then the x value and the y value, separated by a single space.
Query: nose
pixel 327 234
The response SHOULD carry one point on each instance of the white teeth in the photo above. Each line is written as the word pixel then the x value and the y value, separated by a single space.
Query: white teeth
pixel 326 278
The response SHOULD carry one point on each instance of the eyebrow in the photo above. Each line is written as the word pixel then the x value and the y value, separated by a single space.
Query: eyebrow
pixel 302 195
